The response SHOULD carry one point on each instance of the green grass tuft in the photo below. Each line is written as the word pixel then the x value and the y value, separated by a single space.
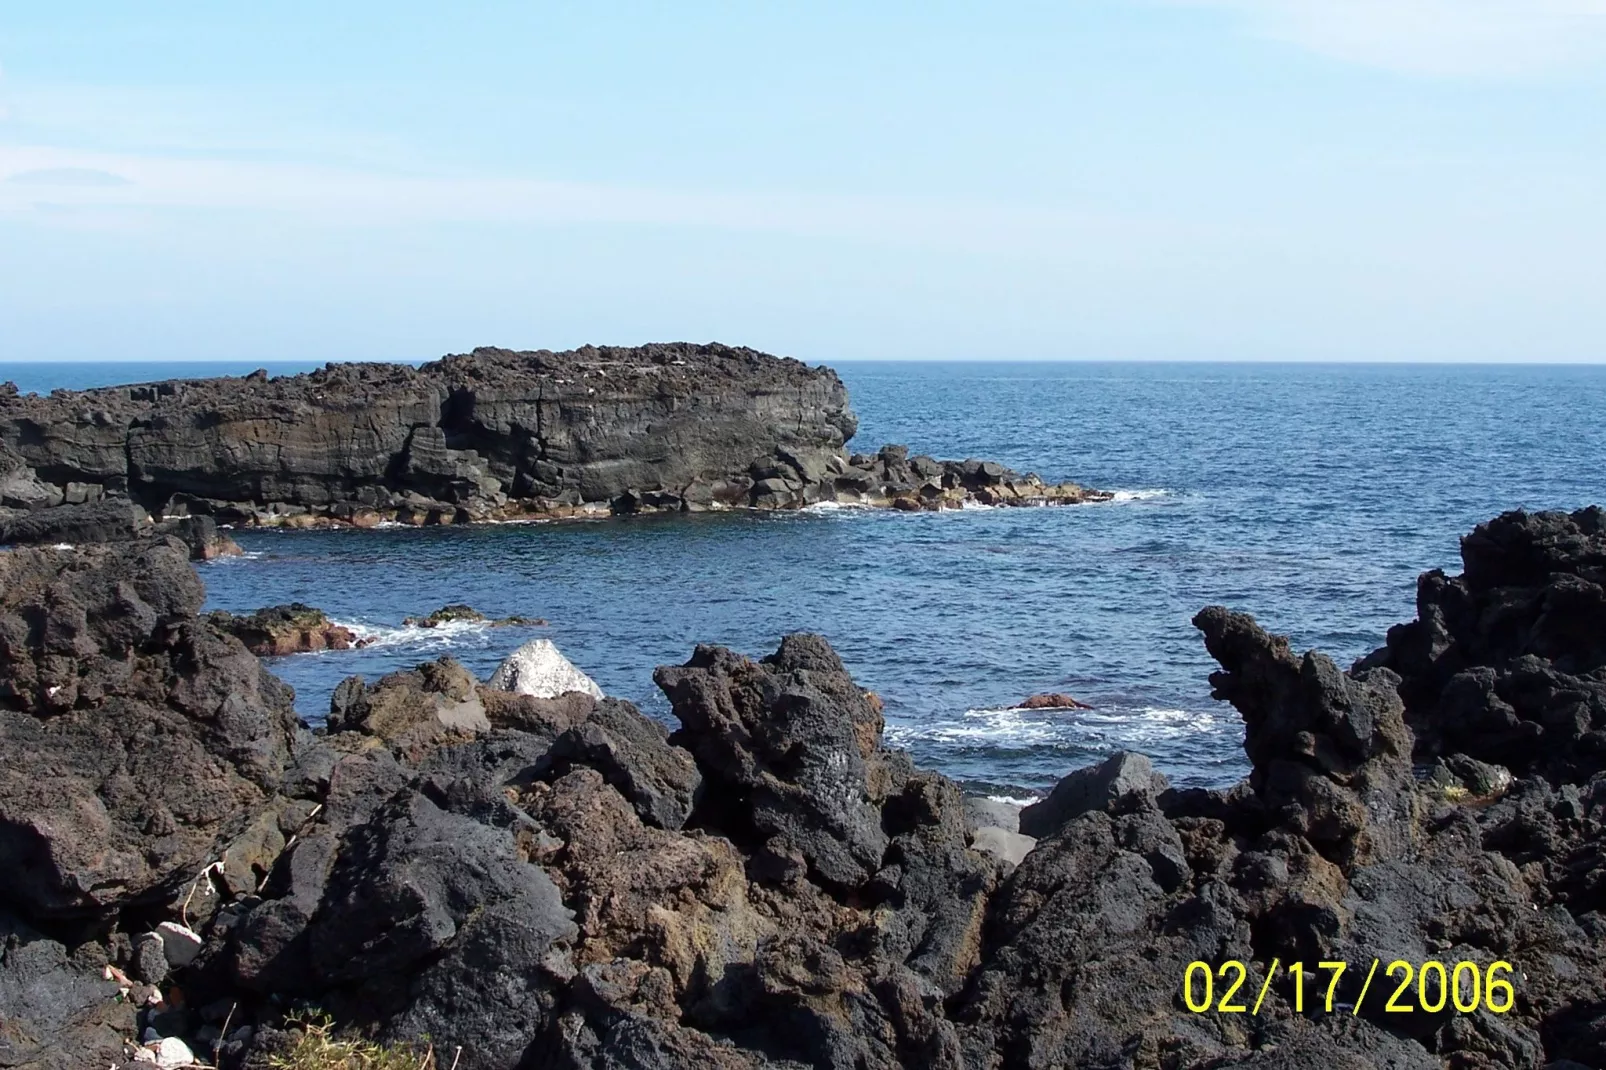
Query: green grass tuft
pixel 318 1048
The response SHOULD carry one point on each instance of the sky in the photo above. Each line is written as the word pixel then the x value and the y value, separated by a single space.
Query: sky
pixel 1065 179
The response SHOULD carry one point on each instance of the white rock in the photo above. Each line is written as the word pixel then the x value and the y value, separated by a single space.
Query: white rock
pixel 181 944
pixel 170 1052
pixel 536 668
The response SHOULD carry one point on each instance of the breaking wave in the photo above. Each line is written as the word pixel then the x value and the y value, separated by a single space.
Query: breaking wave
pixel 443 636
pixel 1012 727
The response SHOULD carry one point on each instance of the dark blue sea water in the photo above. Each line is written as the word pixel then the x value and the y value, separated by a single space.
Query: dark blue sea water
pixel 1310 495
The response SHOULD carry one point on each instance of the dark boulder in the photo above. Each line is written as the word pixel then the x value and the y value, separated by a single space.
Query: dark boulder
pixel 414 710
pixel 1123 781
pixel 789 749
pixel 58 1010
pixel 138 739
pixel 634 755
pixel 1053 700
pixel 106 520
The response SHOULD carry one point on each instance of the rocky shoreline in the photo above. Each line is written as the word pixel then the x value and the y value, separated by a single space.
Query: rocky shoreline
pixel 186 869
pixel 492 435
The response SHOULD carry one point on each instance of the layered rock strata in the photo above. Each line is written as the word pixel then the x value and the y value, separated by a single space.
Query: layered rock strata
pixel 560 882
pixel 488 435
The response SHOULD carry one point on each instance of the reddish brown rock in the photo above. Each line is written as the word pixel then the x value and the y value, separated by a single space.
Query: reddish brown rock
pixel 289 629
pixel 1053 700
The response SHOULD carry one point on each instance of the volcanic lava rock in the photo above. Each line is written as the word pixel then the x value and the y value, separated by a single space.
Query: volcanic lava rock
pixel 770 885
pixel 1504 663
pixel 1124 780
pixel 634 755
pixel 411 710
pixel 446 615
pixel 1330 750
pixel 795 742
pixel 1053 700
pixel 57 1012
pixel 296 628
pixel 461 437
pixel 20 488
pixel 137 738
pixel 106 520
pixel 492 434
pixel 466 614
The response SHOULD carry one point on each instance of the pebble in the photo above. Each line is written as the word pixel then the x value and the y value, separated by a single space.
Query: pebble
pixel 169 1053
pixel 182 944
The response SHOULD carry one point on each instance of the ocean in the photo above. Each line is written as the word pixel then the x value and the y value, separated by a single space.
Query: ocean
pixel 1309 495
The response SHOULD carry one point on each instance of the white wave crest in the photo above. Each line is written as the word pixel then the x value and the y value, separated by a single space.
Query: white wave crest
pixel 1140 495
pixel 1014 800
pixel 451 633
pixel 834 507
pixel 1013 726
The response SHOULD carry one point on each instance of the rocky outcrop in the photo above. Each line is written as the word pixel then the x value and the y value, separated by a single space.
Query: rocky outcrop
pixel 463 614
pixel 295 628
pixel 563 882
pixel 412 711
pixel 1053 700
pixel 1124 781
pixel 138 739
pixel 111 520
pixel 488 435
pixel 1505 662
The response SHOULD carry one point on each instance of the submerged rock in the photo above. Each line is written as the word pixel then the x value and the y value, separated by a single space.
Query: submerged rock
pixel 539 670
pixel 468 614
pixel 295 628
pixel 1053 700
pixel 446 615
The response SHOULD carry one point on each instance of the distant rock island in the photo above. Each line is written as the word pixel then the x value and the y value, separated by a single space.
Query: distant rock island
pixel 484 436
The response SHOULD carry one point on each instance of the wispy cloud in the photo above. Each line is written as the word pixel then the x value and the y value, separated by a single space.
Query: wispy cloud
pixel 66 176
pixel 60 183
pixel 1435 37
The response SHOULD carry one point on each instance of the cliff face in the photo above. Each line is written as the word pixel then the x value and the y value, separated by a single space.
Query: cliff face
pixel 466 437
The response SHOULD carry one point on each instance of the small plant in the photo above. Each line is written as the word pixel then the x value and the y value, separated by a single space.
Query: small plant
pixel 317 1048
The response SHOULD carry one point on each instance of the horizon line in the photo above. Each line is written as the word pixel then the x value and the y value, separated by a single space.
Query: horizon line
pixel 1302 361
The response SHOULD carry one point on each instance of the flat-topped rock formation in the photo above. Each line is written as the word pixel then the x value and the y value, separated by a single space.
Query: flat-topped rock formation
pixel 488 435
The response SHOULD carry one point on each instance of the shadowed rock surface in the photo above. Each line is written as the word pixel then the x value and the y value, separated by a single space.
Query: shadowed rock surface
pixel 138 739
pixel 561 882
pixel 492 434
pixel 110 520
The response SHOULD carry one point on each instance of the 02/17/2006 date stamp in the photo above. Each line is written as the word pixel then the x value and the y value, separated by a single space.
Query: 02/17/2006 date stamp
pixel 1404 987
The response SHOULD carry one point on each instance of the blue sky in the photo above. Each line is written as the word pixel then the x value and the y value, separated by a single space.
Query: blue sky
pixel 1092 179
